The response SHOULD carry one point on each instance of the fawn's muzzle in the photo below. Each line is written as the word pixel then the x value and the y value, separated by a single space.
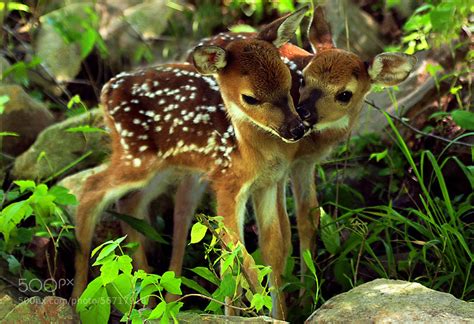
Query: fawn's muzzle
pixel 293 131
pixel 307 110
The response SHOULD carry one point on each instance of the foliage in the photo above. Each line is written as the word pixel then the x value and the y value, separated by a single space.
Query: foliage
pixel 389 211
pixel 439 20
pixel 117 285
pixel 45 206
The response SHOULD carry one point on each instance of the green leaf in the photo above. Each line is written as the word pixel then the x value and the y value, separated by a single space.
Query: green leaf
pixel 226 289
pixel 109 272
pixel 25 184
pixel 91 290
pixel 171 283
pixel 73 101
pixel 158 311
pixel 87 42
pixel 258 301
pixel 109 247
pixel 242 28
pixel 125 264
pixel 120 291
pixel 440 16
pixel 195 286
pixel 63 196
pixel 308 260
pixel 85 129
pixel 99 308
pixel 206 274
pixel 172 309
pixel 463 118
pixel 3 100
pixel 14 6
pixel 379 156
pixel 141 226
pixel 329 233
pixel 148 287
pixel 228 260
pixel 3 134
pixel 14 265
pixel 198 231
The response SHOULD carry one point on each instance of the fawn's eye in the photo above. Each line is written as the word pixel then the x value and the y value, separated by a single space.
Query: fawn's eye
pixel 344 97
pixel 250 100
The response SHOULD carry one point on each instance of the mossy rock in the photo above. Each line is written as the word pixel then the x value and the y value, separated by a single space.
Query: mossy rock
pixel 59 152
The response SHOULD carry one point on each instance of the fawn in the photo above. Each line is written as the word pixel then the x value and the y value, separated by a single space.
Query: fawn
pixel 330 85
pixel 172 119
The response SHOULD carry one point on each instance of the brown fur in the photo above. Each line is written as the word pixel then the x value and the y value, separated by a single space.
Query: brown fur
pixel 329 72
pixel 149 139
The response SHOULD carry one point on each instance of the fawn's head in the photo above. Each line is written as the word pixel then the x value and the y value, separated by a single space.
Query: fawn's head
pixel 254 83
pixel 335 81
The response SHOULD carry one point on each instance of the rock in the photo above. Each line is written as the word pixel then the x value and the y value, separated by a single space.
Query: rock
pixel 364 36
pixel 217 319
pixel 57 149
pixel 7 303
pixel 61 57
pixel 49 310
pixel 393 301
pixel 142 18
pixel 22 115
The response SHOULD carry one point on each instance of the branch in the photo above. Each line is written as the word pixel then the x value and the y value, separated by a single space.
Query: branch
pixel 418 131
pixel 246 309
pixel 247 267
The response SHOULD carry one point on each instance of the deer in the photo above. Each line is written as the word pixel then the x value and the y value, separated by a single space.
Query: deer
pixel 329 85
pixel 227 118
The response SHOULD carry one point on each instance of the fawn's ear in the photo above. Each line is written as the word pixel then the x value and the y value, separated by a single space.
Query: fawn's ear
pixel 319 32
pixel 209 59
pixel 391 68
pixel 283 29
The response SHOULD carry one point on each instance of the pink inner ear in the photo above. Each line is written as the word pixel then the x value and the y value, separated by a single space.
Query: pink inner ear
pixel 212 57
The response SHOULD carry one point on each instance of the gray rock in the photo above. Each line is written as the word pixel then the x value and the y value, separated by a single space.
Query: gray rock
pixel 60 58
pixel 218 319
pixel 7 303
pixel 49 310
pixel 24 116
pixel 363 35
pixel 393 301
pixel 57 150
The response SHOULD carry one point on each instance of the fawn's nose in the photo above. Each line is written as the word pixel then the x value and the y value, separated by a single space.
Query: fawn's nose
pixel 303 112
pixel 297 130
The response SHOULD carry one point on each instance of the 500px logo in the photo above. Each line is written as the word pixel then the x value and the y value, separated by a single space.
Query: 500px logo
pixel 49 285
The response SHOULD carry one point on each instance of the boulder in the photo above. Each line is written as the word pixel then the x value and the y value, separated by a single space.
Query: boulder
pixel 58 151
pixel 51 309
pixel 22 115
pixel 363 36
pixel 59 56
pixel 393 301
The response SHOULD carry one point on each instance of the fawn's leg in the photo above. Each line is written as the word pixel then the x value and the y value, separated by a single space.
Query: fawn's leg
pixel 272 240
pixel 231 204
pixel 307 211
pixel 188 196
pixel 98 191
pixel 283 216
pixel 136 205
